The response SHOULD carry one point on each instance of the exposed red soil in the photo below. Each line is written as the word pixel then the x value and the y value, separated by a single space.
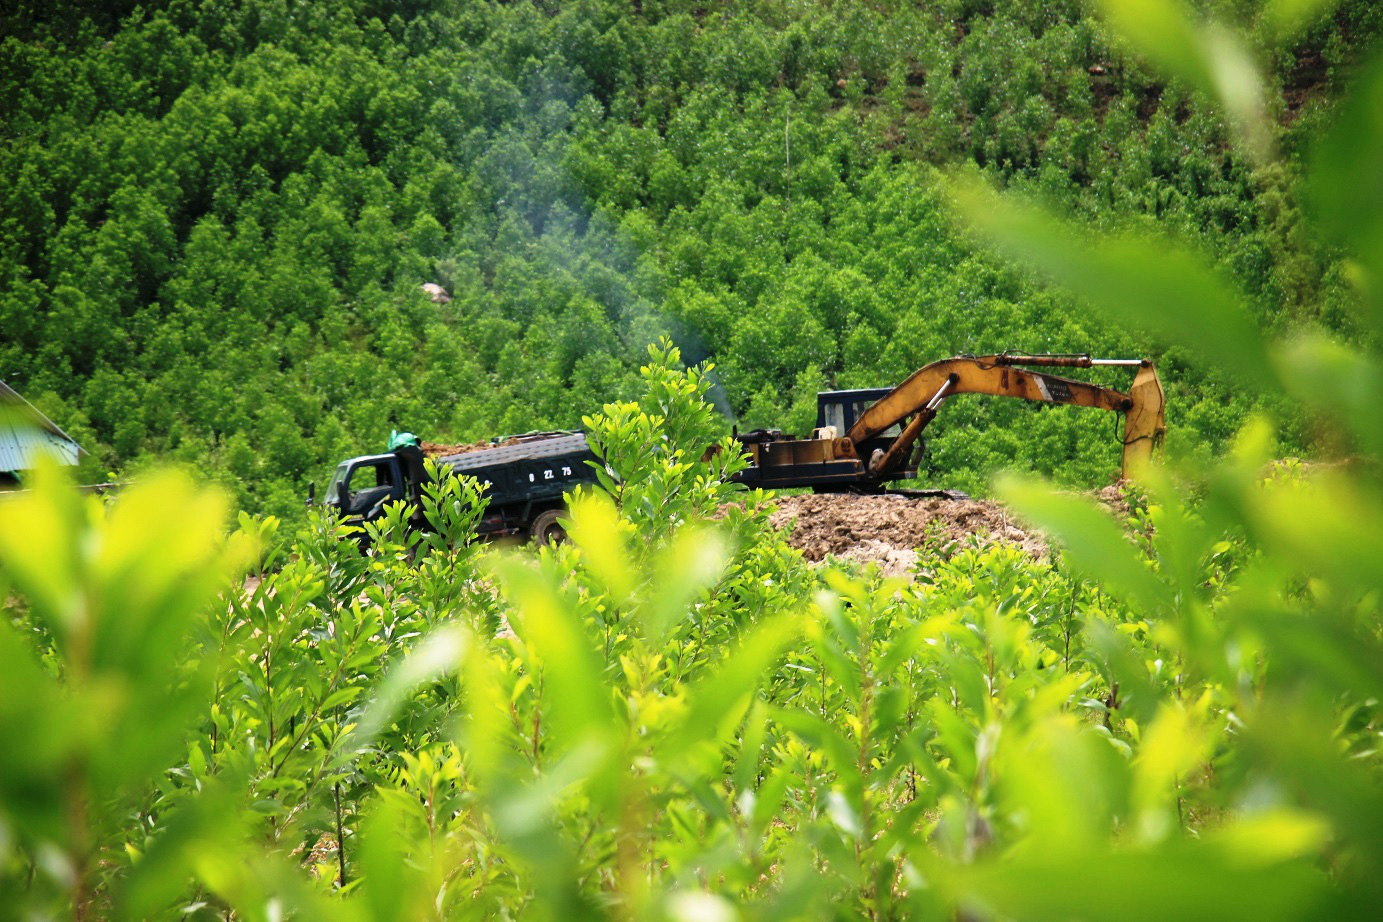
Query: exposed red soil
pixel 887 530
pixel 437 449
pixel 1115 499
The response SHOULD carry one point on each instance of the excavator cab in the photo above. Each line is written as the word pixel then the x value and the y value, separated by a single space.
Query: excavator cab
pixel 840 409
pixel 837 412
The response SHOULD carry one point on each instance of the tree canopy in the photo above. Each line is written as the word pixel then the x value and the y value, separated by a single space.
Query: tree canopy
pixel 218 216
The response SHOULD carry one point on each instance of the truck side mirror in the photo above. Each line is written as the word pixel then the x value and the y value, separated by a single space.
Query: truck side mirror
pixel 311 492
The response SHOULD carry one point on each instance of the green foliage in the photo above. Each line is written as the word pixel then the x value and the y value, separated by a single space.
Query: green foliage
pixel 99 690
pixel 218 216
pixel 672 715
pixel 665 457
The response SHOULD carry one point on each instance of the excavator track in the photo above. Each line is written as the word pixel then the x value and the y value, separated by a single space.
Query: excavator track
pixel 927 494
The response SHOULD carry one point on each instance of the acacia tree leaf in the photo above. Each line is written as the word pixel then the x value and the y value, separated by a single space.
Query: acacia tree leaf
pixel 1093 541
pixel 1338 382
pixel 1153 285
pixel 1175 883
pixel 1204 54
pixel 1289 17
pixel 718 699
pixel 549 624
pixel 1345 185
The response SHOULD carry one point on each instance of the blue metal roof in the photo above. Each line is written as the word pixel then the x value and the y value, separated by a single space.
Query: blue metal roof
pixel 26 434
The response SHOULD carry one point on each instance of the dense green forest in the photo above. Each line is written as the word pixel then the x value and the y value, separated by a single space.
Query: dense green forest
pixel 217 216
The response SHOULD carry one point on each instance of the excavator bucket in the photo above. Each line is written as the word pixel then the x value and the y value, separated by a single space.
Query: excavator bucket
pixel 1145 422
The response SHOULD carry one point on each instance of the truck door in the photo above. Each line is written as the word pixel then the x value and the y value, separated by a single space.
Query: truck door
pixel 364 485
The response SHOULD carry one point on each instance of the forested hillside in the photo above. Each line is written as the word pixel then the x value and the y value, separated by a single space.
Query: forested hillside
pixel 217 216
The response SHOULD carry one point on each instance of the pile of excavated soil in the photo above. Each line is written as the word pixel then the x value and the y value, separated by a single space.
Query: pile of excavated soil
pixel 1114 499
pixel 438 450
pixel 887 530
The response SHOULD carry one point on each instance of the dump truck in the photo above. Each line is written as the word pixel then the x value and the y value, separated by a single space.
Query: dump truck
pixel 526 477
pixel 864 441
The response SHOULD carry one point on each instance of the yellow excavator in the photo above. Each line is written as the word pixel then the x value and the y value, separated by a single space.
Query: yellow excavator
pixel 865 438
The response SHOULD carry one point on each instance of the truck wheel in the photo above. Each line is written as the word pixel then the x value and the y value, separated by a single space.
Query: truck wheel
pixel 547 529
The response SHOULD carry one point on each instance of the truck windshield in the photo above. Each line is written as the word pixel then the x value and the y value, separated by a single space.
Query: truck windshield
pixel 338 478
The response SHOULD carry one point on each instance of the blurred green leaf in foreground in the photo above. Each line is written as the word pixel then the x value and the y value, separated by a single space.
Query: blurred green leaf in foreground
pixel 97 690
pixel 1291 635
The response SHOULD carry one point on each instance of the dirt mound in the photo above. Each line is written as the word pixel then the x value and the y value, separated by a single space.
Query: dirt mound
pixel 887 530
pixel 438 450
pixel 1114 498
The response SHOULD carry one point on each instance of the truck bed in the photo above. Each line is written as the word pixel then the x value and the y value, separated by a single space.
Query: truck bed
pixel 536 470
pixel 537 448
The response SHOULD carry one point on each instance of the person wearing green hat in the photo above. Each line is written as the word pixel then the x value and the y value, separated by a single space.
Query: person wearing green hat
pixel 399 439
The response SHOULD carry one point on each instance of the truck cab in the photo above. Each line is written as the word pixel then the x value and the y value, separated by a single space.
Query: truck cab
pixel 362 486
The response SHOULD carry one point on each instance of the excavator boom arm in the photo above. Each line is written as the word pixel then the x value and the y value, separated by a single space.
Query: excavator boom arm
pixel 915 402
